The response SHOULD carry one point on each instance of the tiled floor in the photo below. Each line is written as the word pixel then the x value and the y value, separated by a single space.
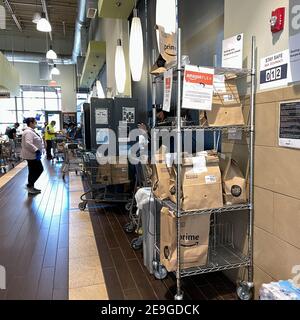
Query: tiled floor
pixel 86 280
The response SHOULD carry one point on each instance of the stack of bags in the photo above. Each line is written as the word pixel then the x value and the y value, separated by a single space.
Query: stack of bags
pixel 207 182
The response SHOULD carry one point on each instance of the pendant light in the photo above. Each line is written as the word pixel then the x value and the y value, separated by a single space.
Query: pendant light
pixel 136 48
pixel 120 67
pixel 51 54
pixel 166 15
pixel 43 25
pixel 55 71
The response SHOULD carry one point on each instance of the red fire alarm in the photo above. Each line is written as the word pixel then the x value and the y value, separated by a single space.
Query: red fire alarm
pixel 277 20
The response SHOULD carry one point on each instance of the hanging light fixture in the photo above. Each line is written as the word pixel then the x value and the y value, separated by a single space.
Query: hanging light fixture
pixel 36 17
pixel 44 25
pixel 166 15
pixel 55 71
pixel 120 67
pixel 136 48
pixel 51 54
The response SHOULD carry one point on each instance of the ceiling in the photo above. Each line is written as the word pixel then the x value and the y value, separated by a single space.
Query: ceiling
pixel 62 15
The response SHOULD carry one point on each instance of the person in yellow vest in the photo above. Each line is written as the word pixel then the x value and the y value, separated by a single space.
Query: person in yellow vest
pixel 49 137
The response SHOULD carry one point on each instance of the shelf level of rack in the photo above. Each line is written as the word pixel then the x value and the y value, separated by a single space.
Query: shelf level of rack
pixel 239 73
pixel 223 258
pixel 195 127
pixel 237 207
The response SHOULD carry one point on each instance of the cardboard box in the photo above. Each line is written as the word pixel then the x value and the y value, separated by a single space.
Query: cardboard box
pixel 104 174
pixel 233 182
pixel 201 183
pixel 194 240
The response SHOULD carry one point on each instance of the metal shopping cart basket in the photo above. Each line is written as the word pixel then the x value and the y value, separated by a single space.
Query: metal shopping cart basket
pixel 59 148
pixel 72 158
pixel 107 183
pixel 5 154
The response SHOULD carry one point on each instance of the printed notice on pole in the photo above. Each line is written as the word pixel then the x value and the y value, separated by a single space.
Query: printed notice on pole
pixel 289 129
pixel 294 42
pixel 274 70
pixel 101 116
pixel 197 88
pixel 232 52
pixel 168 83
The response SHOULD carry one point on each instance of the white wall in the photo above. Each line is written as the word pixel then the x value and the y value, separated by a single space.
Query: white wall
pixel 109 30
pixel 29 75
pixel 252 18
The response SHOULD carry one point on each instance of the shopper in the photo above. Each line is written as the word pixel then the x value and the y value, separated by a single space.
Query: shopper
pixel 32 146
pixel 12 135
pixel 49 137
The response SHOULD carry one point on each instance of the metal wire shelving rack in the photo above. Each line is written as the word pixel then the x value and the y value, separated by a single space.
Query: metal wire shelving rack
pixel 222 255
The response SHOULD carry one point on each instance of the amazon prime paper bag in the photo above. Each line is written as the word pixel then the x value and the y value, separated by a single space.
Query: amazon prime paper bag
pixel 194 240
pixel 201 183
pixel 233 182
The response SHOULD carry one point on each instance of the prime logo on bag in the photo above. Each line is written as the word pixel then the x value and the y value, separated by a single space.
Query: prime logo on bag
pixel 236 191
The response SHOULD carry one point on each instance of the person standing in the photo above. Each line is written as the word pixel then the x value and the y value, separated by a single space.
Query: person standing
pixel 49 137
pixel 32 146
pixel 12 135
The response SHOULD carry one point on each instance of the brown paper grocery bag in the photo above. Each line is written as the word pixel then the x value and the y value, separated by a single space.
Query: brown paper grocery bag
pixel 194 240
pixel 160 175
pixel 233 182
pixel 226 108
pixel 201 189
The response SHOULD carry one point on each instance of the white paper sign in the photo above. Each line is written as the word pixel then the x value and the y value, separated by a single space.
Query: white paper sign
pixel 168 83
pixel 274 70
pixel 289 125
pixel 197 88
pixel 219 84
pixel 101 116
pixel 294 39
pixel 232 52
pixel 128 115
pixel 234 134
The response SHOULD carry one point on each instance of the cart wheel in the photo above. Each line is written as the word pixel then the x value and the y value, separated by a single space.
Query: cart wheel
pixel 82 206
pixel 76 172
pixel 136 244
pixel 154 264
pixel 244 291
pixel 4 170
pixel 129 227
pixel 161 272
pixel 13 165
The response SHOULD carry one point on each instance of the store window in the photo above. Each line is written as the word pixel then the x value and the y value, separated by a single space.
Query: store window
pixel 32 102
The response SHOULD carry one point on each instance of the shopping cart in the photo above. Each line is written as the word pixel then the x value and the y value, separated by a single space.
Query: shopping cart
pixel 58 145
pixel 5 154
pixel 101 189
pixel 72 158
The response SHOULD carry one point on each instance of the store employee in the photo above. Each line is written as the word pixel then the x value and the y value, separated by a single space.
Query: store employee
pixel 49 137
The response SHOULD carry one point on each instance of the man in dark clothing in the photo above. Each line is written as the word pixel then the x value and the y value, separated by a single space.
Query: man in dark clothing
pixel 12 132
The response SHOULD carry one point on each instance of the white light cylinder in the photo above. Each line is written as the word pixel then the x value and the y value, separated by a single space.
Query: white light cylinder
pixel 51 54
pixel 55 71
pixel 120 67
pixel 166 15
pixel 136 48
